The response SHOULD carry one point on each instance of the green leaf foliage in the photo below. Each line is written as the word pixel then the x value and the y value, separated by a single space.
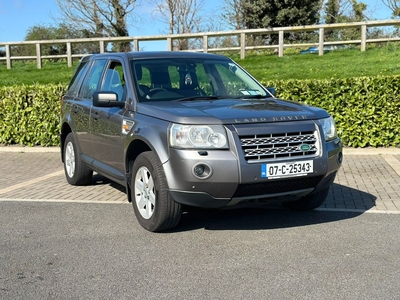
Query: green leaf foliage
pixel 30 114
pixel 366 109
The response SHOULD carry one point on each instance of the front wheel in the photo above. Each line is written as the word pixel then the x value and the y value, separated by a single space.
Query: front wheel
pixel 308 202
pixel 154 209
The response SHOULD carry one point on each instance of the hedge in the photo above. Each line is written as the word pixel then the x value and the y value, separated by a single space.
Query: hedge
pixel 366 109
pixel 30 114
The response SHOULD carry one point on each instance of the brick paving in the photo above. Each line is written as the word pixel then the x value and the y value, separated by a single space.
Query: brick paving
pixel 19 168
pixel 365 182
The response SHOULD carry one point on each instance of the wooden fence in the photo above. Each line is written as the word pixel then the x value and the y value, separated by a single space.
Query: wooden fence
pixel 242 36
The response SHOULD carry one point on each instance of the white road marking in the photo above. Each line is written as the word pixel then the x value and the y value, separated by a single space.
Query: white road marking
pixel 393 162
pixel 63 201
pixel 29 182
pixel 361 211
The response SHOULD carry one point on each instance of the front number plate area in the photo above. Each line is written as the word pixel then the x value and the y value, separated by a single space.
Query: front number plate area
pixel 288 169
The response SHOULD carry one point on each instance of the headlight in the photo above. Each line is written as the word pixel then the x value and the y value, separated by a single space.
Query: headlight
pixel 329 128
pixel 198 136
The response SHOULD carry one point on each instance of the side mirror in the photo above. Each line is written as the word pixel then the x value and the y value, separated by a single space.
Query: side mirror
pixel 271 90
pixel 107 99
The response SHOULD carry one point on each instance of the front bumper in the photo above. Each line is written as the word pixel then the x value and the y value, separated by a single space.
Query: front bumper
pixel 233 181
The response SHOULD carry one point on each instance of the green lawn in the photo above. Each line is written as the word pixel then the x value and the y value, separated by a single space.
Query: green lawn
pixel 28 73
pixel 339 64
pixel 264 66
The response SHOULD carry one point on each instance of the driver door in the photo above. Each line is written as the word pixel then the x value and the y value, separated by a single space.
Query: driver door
pixel 106 124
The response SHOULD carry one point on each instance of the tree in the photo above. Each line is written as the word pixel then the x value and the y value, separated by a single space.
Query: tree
pixel 63 31
pixel 332 11
pixel 343 11
pixel 280 13
pixel 182 16
pixel 234 13
pixel 100 17
pixel 394 6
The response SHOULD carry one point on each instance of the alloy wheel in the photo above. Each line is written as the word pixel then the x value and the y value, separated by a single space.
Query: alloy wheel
pixel 70 159
pixel 145 196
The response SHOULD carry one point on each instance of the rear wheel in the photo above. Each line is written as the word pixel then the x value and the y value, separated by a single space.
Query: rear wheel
pixel 76 172
pixel 154 209
pixel 308 202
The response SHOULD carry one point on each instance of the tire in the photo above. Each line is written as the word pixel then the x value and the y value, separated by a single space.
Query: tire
pixel 76 172
pixel 154 209
pixel 308 202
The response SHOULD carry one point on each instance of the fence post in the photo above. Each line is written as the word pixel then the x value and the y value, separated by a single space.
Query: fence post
pixel 205 43
pixel 321 41
pixel 136 45
pixel 8 56
pixel 38 56
pixel 242 45
pixel 169 44
pixel 101 45
pixel 363 37
pixel 69 54
pixel 281 41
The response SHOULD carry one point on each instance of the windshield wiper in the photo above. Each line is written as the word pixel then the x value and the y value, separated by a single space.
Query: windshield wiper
pixel 252 97
pixel 199 98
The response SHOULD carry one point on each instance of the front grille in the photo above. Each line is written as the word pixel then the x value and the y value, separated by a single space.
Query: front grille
pixel 276 186
pixel 279 145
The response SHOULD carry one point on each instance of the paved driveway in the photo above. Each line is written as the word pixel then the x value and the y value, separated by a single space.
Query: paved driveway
pixel 369 180
pixel 63 242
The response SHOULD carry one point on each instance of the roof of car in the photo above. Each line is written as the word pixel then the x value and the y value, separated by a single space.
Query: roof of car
pixel 160 54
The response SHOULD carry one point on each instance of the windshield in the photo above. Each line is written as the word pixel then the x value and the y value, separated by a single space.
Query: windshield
pixel 193 79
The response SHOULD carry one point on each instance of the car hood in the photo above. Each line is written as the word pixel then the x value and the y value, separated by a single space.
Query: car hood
pixel 230 111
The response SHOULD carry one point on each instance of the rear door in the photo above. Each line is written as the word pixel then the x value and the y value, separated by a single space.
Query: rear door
pixel 81 107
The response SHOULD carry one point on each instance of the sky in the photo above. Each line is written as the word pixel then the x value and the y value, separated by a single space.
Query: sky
pixel 17 16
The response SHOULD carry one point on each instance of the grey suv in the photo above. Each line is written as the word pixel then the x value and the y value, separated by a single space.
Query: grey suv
pixel 180 128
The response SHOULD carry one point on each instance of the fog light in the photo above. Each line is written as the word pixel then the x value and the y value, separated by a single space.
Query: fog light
pixel 199 170
pixel 202 171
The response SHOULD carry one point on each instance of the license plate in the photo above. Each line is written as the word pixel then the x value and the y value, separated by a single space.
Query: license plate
pixel 288 169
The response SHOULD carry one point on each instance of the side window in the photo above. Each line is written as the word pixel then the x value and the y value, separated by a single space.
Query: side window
pixel 72 90
pixel 92 80
pixel 114 80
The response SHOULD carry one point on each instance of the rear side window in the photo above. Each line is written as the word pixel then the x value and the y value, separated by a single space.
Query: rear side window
pixel 92 79
pixel 79 72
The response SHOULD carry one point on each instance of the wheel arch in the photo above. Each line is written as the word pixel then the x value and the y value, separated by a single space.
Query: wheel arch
pixel 65 130
pixel 135 148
